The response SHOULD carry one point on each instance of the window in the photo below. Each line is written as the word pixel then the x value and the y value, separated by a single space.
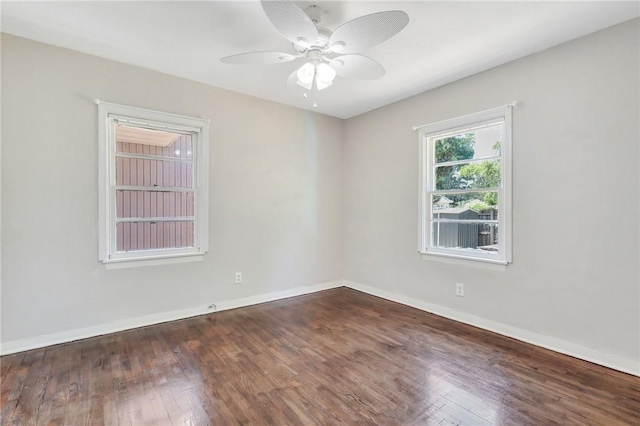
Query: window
pixel 153 196
pixel 465 187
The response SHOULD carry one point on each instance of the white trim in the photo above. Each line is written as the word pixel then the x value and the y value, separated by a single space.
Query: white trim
pixel 465 254
pixel 155 219
pixel 201 198
pixel 104 193
pixel 457 162
pixel 108 115
pixel 20 345
pixel 137 255
pixel 507 186
pixel 615 362
pixel 155 125
pixel 427 188
pixel 462 221
pixel 152 114
pixel 465 191
pixel 452 259
pixel 154 157
pixel 423 209
pixel 154 188
pixel 446 124
pixel 626 365
pixel 134 262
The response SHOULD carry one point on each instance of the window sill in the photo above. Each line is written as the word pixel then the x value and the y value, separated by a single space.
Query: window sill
pixel 135 262
pixel 492 265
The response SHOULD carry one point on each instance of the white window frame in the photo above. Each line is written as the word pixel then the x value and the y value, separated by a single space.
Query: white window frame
pixel 109 114
pixel 428 134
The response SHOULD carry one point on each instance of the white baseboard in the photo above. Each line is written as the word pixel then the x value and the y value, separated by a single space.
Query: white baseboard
pixel 21 345
pixel 615 362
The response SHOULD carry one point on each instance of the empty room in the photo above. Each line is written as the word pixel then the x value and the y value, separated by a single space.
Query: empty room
pixel 275 212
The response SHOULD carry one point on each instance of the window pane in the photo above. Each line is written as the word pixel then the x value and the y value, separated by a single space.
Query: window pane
pixel 141 172
pixel 153 204
pixel 474 237
pixel 483 174
pixel 468 206
pixel 136 140
pixel 154 235
pixel 467 145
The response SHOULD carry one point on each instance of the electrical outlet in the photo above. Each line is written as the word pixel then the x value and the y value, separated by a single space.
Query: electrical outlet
pixel 238 277
pixel 459 289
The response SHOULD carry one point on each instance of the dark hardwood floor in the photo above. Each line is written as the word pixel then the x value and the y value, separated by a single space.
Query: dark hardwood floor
pixel 334 357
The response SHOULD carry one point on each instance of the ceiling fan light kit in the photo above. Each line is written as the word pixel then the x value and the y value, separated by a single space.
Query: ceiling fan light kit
pixel 324 76
pixel 328 54
pixel 305 75
pixel 315 68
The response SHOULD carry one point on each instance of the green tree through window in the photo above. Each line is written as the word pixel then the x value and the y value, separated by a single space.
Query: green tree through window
pixel 459 147
pixel 485 174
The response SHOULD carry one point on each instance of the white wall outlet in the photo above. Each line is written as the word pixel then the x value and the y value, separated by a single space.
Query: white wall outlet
pixel 459 289
pixel 238 277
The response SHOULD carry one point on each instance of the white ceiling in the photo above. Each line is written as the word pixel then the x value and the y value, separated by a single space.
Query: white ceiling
pixel 444 41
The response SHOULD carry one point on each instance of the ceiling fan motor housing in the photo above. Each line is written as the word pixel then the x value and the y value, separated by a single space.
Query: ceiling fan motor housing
pixel 321 42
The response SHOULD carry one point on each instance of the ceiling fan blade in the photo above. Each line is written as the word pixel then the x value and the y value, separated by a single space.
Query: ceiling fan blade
pixel 290 21
pixel 366 31
pixel 259 58
pixel 357 66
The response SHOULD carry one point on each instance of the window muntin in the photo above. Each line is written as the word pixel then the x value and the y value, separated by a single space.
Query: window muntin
pixel 474 174
pixel 465 187
pixel 137 236
pixel 153 198
pixel 443 206
pixel 483 148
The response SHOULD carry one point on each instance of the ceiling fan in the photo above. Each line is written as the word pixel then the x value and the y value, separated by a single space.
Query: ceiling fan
pixel 328 53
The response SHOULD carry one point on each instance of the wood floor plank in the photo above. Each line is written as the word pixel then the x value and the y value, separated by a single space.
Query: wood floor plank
pixel 337 357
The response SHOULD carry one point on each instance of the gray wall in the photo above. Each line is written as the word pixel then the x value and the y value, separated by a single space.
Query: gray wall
pixel 276 179
pixel 574 276
pixel 292 190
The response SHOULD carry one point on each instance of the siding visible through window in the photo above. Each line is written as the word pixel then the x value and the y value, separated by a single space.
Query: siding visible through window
pixel 153 185
pixel 160 173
